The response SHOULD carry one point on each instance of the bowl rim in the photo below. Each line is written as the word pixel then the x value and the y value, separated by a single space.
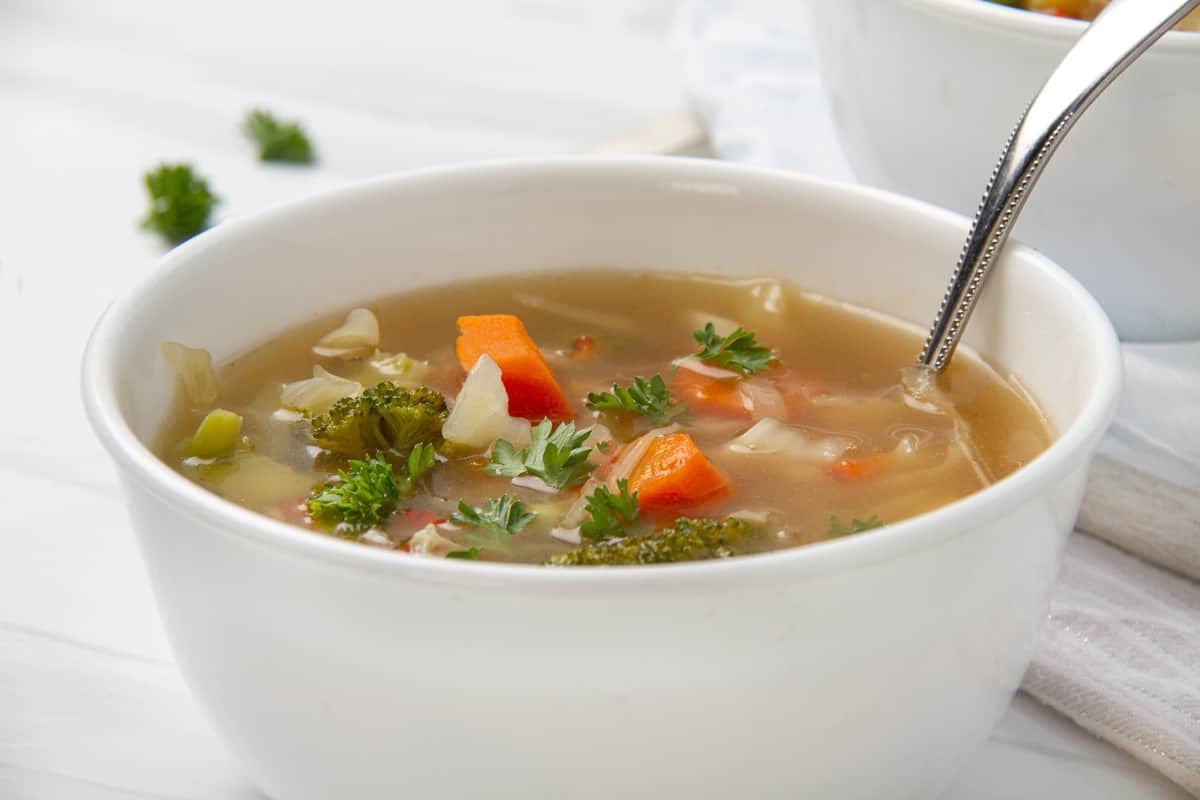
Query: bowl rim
pixel 137 462
pixel 1044 26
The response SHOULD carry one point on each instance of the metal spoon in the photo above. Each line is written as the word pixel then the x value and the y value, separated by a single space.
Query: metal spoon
pixel 1125 30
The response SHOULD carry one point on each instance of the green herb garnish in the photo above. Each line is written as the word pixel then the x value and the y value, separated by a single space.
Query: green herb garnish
pixel 737 351
pixel 470 554
pixel 612 514
pixel 839 528
pixel 361 497
pixel 648 397
pixel 420 461
pixel 555 455
pixel 367 493
pixel 180 202
pixel 278 141
pixel 500 518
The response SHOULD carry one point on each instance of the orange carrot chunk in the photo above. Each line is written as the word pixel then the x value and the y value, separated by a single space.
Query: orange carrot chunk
pixel 533 393
pixel 703 394
pixel 674 474
pixel 854 469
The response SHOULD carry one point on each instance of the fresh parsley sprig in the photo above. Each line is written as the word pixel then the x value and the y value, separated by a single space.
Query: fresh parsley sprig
pixel 498 518
pixel 363 496
pixel 367 492
pixel 555 454
pixel 737 351
pixel 278 141
pixel 420 461
pixel 180 202
pixel 612 514
pixel 839 528
pixel 470 554
pixel 648 397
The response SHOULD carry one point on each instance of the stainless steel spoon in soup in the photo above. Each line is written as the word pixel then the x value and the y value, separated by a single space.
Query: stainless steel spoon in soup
pixel 1125 30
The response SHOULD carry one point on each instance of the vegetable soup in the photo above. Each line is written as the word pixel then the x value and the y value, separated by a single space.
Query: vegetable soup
pixel 594 417
pixel 1084 9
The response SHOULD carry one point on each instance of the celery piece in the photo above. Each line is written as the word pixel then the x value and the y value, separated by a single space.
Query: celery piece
pixel 218 435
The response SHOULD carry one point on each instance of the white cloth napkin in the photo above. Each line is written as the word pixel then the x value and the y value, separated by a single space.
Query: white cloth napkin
pixel 1120 650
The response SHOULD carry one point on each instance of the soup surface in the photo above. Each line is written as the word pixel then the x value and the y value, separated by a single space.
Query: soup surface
pixel 594 417
pixel 1084 9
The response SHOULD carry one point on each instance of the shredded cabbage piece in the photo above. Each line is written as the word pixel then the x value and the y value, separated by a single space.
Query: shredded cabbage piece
pixel 193 367
pixel 769 435
pixel 354 338
pixel 316 394
pixel 398 367
pixel 428 542
pixel 480 414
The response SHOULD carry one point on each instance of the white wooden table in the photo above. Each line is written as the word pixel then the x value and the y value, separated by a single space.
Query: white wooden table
pixel 91 94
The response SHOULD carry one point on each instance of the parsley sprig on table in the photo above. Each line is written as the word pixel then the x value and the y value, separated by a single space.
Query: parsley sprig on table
pixel 612 514
pixel 180 202
pixel 737 351
pixel 648 397
pixel 498 518
pixel 555 455
pixel 366 493
pixel 278 141
pixel 839 528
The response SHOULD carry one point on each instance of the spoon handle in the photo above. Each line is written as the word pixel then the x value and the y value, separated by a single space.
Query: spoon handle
pixel 1117 37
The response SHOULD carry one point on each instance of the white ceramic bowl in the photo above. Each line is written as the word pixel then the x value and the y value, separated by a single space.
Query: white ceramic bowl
pixel 860 668
pixel 925 93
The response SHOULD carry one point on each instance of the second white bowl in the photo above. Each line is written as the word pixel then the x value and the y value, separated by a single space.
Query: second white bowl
pixel 925 93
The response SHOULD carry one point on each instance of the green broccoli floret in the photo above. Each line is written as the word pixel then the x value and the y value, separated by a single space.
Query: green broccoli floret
pixel 383 418
pixel 686 540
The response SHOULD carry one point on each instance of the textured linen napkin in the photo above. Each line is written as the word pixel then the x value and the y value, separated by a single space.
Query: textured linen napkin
pixel 1120 651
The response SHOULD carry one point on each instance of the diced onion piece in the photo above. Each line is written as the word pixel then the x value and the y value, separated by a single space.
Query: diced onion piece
pixel 428 542
pixel 568 535
pixel 765 399
pixel 399 365
pixel 376 537
pixel 534 483
pixel 708 370
pixel 356 337
pixel 286 416
pixel 316 394
pixel 769 435
pixel 752 517
pixel 194 369
pixel 480 413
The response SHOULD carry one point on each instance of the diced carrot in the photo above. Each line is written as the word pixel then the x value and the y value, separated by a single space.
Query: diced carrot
pixel 798 391
pixel 674 474
pixel 853 469
pixel 583 348
pixel 703 394
pixel 294 510
pixel 419 519
pixel 533 392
